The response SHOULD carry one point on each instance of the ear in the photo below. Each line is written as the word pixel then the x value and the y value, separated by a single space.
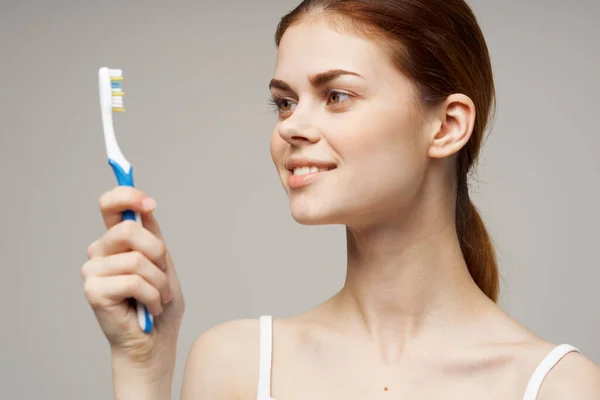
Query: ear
pixel 457 118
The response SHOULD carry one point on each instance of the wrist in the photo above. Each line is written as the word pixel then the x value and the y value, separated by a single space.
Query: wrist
pixel 135 381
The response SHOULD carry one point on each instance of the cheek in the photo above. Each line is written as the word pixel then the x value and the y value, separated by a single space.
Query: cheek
pixel 377 134
pixel 381 151
pixel 276 147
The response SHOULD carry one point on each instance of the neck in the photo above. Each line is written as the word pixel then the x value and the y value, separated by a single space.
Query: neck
pixel 407 281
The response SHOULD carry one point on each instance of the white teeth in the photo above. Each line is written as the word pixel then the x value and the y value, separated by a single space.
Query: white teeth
pixel 308 170
pixel 301 171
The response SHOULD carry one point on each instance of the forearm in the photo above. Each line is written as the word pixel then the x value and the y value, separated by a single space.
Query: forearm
pixel 133 383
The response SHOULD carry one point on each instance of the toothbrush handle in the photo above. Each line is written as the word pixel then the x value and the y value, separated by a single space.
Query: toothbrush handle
pixel 145 319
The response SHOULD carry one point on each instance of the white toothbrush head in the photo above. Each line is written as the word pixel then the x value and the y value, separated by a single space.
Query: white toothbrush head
pixel 111 100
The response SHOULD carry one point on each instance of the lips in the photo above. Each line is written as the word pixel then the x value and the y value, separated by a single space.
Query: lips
pixel 303 172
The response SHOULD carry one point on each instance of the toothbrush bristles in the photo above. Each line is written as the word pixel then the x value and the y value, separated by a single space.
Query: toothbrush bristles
pixel 117 93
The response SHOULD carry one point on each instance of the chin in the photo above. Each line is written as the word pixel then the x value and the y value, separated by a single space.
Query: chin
pixel 312 211
pixel 308 211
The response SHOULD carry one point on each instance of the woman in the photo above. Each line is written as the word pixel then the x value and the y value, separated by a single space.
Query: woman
pixel 382 108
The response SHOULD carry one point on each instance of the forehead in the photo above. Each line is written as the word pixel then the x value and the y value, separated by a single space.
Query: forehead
pixel 313 46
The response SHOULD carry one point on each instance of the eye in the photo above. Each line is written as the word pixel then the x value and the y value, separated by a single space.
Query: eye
pixel 283 105
pixel 334 97
pixel 280 104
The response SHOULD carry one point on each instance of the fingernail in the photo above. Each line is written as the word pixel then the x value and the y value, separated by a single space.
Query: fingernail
pixel 149 204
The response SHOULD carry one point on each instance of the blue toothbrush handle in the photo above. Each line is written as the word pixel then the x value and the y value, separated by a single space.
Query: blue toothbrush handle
pixel 145 319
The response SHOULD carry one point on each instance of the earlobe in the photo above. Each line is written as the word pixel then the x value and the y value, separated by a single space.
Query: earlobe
pixel 457 117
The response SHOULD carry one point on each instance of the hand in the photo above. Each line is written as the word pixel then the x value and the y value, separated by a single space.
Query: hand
pixel 131 261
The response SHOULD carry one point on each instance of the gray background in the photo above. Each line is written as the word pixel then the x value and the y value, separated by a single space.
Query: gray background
pixel 197 129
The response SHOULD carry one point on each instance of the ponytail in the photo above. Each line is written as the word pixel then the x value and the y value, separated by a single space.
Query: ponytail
pixel 476 244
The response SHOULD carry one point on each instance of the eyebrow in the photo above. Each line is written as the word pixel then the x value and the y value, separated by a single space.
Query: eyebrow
pixel 319 79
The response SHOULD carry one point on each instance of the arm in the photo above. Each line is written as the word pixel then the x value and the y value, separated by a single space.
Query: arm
pixel 574 377
pixel 133 383
pixel 220 361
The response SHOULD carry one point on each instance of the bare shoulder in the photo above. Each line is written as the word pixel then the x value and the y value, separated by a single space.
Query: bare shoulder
pixel 221 361
pixel 573 377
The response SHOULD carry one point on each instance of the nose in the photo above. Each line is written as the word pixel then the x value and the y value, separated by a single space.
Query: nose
pixel 298 131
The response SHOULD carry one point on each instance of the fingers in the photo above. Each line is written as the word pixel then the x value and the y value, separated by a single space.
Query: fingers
pixel 149 222
pixel 130 263
pixel 120 198
pixel 130 236
pixel 104 292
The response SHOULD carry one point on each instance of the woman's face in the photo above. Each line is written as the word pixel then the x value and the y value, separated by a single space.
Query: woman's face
pixel 345 109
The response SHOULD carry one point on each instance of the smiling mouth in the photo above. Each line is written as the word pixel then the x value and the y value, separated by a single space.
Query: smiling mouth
pixel 300 171
pixel 301 176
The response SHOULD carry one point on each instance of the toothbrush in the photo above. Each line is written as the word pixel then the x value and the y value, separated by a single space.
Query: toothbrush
pixel 111 100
